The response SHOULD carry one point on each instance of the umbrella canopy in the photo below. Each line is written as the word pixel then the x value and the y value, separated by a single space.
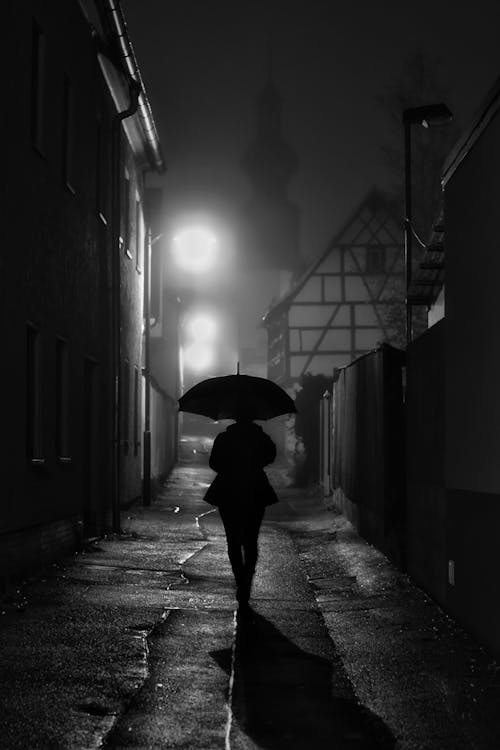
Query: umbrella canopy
pixel 229 396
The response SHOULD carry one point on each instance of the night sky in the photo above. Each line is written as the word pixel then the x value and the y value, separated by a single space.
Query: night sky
pixel 204 63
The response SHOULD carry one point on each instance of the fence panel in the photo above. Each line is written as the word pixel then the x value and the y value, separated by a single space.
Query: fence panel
pixel 426 495
pixel 368 446
pixel 325 429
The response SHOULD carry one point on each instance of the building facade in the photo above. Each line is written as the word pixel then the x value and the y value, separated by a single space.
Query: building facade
pixel 453 484
pixel 165 323
pixel 72 286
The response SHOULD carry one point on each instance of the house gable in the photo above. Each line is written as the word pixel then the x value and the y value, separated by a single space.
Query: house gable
pixel 338 309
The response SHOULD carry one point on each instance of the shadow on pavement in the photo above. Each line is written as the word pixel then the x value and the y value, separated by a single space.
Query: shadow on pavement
pixel 282 696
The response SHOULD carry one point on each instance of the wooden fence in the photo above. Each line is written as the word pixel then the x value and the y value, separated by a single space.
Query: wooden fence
pixel 368 451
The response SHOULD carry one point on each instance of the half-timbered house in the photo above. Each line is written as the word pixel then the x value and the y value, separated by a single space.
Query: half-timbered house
pixel 348 301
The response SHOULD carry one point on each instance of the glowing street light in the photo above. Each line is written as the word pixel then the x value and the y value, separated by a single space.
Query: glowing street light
pixel 195 249
pixel 198 356
pixel 202 328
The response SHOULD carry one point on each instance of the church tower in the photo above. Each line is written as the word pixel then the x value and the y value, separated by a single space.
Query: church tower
pixel 271 219
pixel 268 237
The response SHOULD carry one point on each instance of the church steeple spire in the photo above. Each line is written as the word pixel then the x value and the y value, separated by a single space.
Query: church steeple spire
pixel 270 162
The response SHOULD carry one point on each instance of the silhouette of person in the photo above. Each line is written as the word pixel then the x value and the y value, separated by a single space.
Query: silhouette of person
pixel 241 490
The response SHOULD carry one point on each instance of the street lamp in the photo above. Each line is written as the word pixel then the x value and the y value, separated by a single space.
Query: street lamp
pixel 198 349
pixel 194 249
pixel 198 356
pixel 202 327
pixel 428 116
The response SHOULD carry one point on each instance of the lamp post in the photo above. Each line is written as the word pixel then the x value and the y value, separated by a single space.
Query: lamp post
pixel 427 116
pixel 146 471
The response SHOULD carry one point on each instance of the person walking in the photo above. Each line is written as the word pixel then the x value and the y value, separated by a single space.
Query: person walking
pixel 242 491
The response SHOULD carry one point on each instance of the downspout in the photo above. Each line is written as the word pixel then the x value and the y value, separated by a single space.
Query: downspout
pixel 134 90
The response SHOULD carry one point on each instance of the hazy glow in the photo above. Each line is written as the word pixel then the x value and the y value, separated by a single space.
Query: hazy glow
pixel 195 249
pixel 202 327
pixel 198 357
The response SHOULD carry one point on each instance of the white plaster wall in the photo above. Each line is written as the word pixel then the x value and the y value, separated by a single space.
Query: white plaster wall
pixel 437 310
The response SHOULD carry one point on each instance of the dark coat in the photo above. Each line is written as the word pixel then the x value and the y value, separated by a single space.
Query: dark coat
pixel 238 456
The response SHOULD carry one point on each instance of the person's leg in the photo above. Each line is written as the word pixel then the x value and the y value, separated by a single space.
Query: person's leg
pixel 251 530
pixel 232 527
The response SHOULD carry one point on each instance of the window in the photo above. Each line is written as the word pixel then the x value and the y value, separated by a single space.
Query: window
pixel 68 135
pixel 137 441
pixel 139 235
pixel 34 437
pixel 37 87
pixel 375 259
pixel 125 405
pixel 62 401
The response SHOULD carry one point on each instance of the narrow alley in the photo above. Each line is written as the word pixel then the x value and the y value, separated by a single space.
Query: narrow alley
pixel 136 643
pixel 250 247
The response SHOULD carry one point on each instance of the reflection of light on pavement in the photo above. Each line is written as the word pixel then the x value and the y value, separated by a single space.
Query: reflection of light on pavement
pixel 206 513
pixel 230 697
pixel 198 356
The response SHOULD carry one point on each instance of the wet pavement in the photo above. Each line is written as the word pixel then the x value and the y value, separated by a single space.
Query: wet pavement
pixel 135 642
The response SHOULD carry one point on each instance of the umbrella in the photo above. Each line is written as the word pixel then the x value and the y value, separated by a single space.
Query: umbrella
pixel 227 396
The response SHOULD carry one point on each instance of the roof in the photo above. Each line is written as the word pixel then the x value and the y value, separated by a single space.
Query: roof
pixel 429 278
pixel 118 52
pixel 373 199
pixel 488 109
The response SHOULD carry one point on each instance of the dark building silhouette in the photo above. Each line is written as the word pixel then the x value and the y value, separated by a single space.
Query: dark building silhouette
pixel 269 236
pixel 271 219
pixel 72 280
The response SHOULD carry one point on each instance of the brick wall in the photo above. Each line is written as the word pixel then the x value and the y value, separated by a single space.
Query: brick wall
pixel 33 548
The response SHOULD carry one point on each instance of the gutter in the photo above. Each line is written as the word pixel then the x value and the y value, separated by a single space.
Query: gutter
pixel 119 51
pixel 482 118
pixel 117 27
